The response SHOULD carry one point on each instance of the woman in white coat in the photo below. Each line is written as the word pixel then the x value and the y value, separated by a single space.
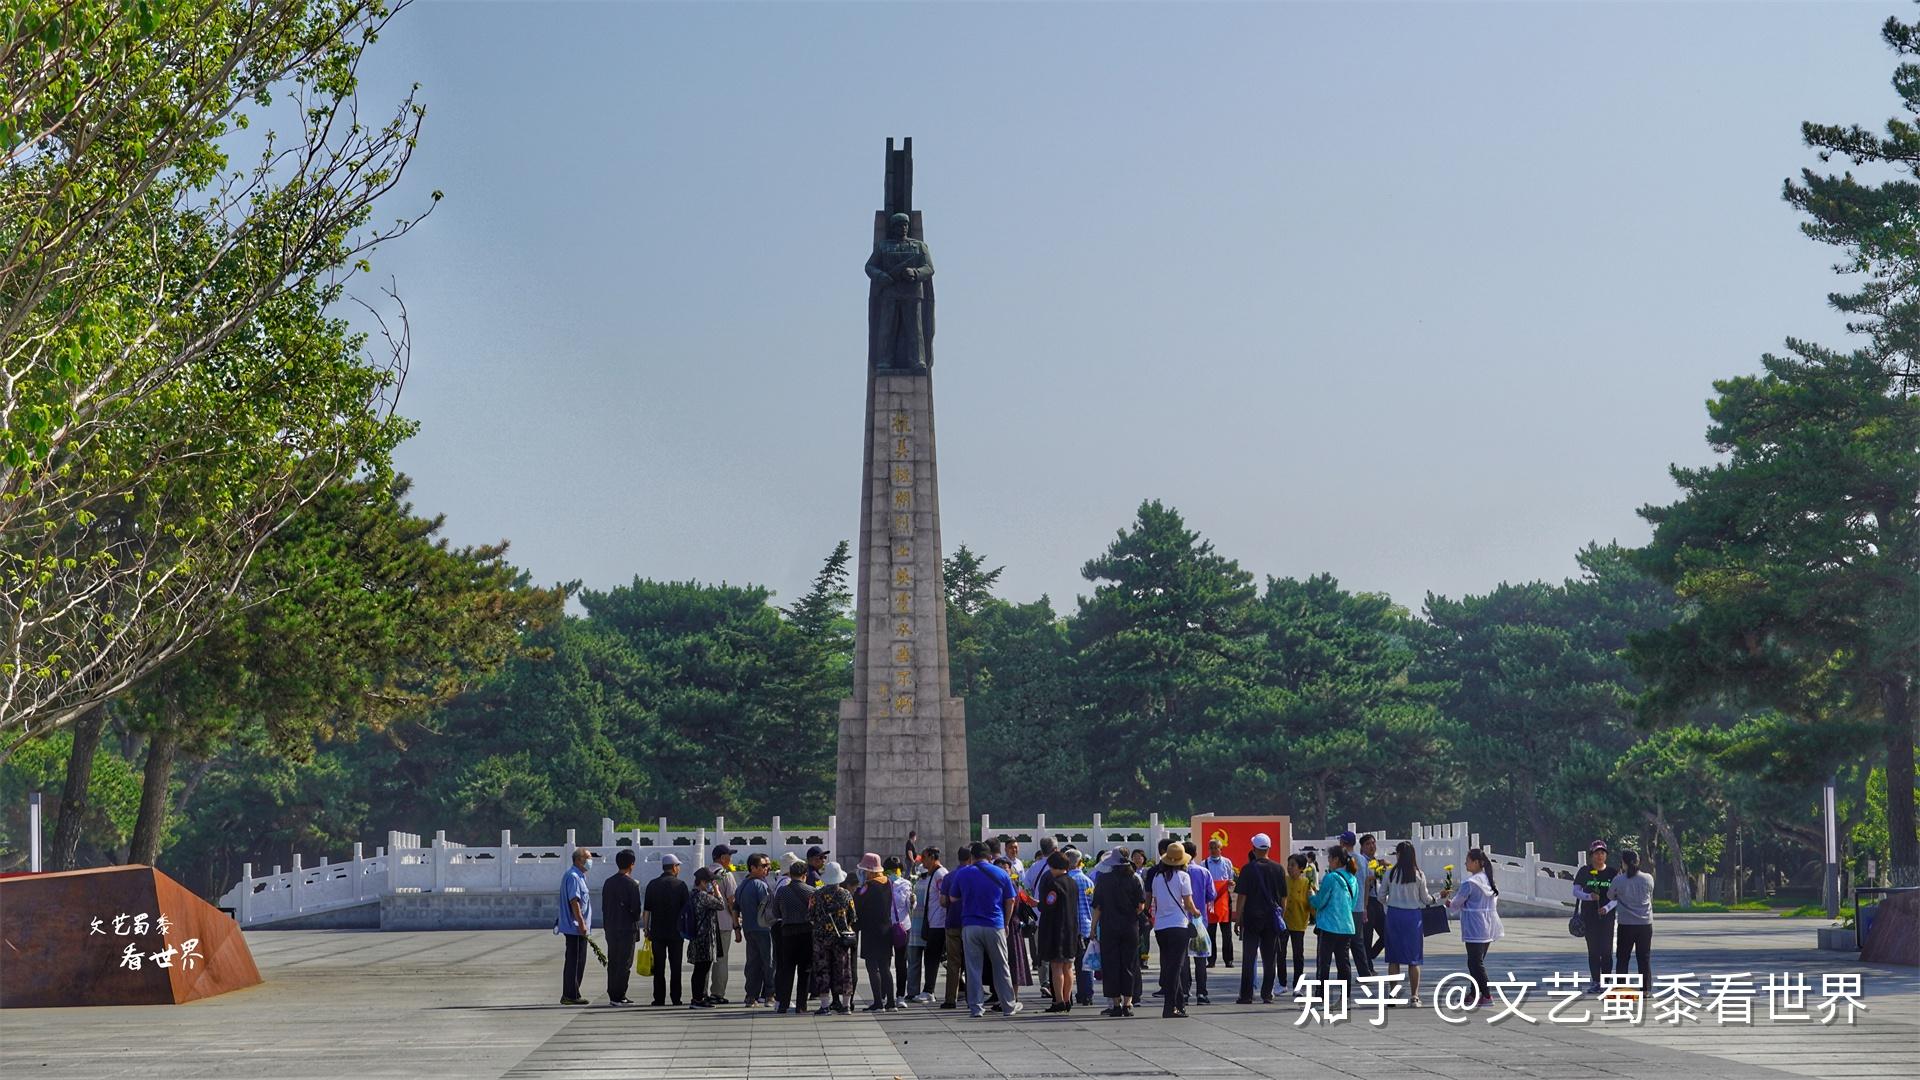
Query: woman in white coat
pixel 1477 903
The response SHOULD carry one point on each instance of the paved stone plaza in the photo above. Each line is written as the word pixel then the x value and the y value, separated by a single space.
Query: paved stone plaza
pixel 451 1004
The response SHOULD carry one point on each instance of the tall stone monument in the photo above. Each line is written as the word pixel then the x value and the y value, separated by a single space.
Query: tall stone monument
pixel 903 736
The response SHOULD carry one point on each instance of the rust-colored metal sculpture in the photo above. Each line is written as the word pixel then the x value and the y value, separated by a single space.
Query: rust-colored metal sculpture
pixel 119 935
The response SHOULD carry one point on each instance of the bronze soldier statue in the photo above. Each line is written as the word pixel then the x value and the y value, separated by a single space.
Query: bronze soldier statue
pixel 901 268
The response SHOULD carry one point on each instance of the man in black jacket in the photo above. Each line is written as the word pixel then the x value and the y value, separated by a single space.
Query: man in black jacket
pixel 660 910
pixel 620 902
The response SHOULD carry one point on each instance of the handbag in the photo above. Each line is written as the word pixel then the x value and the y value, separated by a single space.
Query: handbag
pixel 1200 946
pixel 643 960
pixel 1279 915
pixel 1433 920
pixel 898 935
pixel 1577 927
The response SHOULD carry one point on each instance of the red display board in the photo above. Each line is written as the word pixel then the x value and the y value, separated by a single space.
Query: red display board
pixel 1236 834
pixel 118 935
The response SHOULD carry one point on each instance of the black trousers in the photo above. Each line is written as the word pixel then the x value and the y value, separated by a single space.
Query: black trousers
pixel 1376 928
pixel 701 970
pixel 1262 942
pixel 1173 967
pixel 1333 949
pixel 1599 946
pixel 667 953
pixel 1120 963
pixel 1197 979
pixel 1477 964
pixel 1636 942
pixel 879 958
pixel 792 957
pixel 930 960
pixel 900 972
pixel 575 967
pixel 1297 939
pixel 619 963
pixel 1221 935
pixel 1357 946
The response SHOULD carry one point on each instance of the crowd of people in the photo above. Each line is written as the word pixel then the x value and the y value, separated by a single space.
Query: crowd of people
pixel 1076 927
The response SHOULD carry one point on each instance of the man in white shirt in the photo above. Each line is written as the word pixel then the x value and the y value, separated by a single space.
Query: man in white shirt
pixel 1219 931
pixel 1030 878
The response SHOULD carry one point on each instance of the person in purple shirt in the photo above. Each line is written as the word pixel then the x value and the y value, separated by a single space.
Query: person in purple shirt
pixel 1202 879
pixel 983 895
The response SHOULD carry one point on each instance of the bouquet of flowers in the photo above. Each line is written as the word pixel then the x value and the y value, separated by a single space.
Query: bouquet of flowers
pixel 1449 881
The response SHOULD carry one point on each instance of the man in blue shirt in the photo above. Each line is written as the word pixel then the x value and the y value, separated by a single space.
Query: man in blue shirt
pixel 575 917
pixel 750 901
pixel 983 897
pixel 1082 983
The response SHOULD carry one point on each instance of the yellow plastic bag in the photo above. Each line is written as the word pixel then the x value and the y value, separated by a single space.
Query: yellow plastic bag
pixel 643 960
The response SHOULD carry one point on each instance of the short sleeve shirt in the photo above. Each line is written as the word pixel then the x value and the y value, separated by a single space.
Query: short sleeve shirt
pixel 1202 889
pixel 936 911
pixel 1168 889
pixel 573 886
pixel 982 891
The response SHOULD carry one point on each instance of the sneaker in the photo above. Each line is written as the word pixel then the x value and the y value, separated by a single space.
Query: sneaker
pixel 976 1015
pixel 779 1010
pixel 1266 999
pixel 898 1006
pixel 875 1007
pixel 1243 1001
pixel 1113 1011
pixel 949 1004
pixel 1127 1011
pixel 1012 1010
pixel 573 1001
pixel 718 1001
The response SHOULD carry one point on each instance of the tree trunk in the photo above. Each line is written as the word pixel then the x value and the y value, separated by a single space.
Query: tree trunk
pixel 1730 863
pixel 73 797
pixel 1320 801
pixel 1543 838
pixel 1682 883
pixel 200 770
pixel 1904 848
pixel 144 848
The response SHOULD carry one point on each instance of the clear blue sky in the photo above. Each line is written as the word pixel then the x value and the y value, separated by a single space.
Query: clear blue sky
pixel 1427 296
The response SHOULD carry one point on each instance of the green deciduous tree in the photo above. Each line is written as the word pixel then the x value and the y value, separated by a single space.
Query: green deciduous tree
pixel 174 380
pixel 354 616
